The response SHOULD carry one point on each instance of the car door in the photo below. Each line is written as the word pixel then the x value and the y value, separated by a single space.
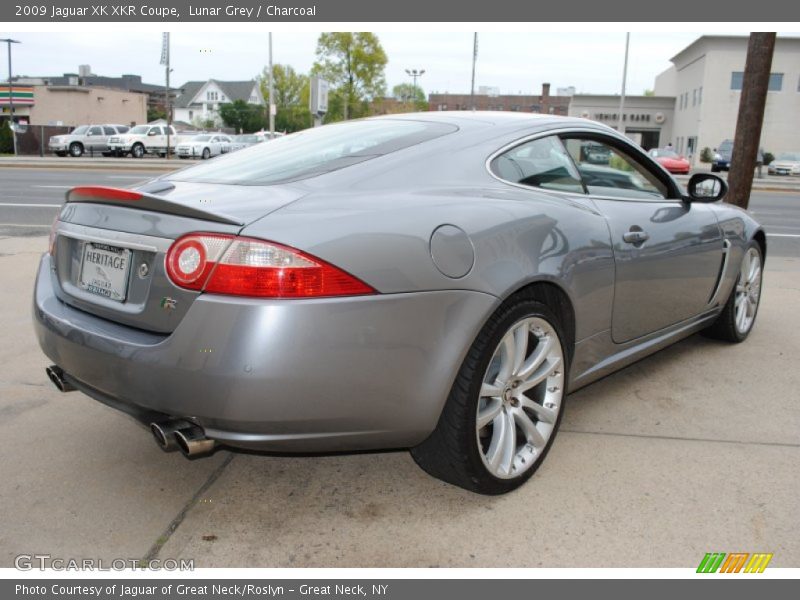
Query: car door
pixel 95 140
pixel 668 253
pixel 108 132
pixel 215 146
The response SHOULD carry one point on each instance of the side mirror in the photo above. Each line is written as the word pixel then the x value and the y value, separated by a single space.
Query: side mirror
pixel 705 187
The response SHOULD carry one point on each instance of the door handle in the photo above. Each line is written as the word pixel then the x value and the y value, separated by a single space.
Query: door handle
pixel 636 236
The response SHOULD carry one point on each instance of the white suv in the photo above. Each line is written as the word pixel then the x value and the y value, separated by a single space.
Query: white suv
pixel 144 139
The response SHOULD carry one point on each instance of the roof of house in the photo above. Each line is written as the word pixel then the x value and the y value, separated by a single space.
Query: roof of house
pixel 131 83
pixel 233 90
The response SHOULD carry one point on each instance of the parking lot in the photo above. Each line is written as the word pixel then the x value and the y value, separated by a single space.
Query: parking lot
pixel 693 450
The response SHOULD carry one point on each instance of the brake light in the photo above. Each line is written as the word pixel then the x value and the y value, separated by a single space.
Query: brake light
pixel 239 266
pixel 92 192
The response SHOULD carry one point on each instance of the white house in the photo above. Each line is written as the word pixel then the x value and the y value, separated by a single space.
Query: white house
pixel 199 101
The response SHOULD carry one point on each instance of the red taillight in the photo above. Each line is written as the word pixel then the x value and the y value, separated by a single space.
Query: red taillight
pixel 238 266
pixel 97 191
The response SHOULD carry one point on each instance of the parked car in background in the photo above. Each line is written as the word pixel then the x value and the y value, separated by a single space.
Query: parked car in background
pixel 671 160
pixel 436 281
pixel 144 139
pixel 205 146
pixel 91 139
pixel 246 140
pixel 722 157
pixel 786 163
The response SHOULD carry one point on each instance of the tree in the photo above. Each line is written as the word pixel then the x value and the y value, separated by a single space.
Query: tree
pixel 410 94
pixel 291 97
pixel 154 114
pixel 354 63
pixel 242 116
pixel 6 138
pixel 751 117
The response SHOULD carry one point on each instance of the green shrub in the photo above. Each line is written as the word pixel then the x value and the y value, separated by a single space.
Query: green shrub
pixel 768 157
pixel 706 155
pixel 6 139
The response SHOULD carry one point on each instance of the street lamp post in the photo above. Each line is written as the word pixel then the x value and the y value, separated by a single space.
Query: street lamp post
pixel 11 123
pixel 414 74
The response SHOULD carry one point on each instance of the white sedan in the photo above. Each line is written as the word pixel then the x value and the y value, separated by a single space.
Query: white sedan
pixel 204 146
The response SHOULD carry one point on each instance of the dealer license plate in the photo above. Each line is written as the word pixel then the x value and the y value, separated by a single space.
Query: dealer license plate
pixel 104 271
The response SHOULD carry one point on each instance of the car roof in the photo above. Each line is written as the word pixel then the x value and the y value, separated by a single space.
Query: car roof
pixel 506 120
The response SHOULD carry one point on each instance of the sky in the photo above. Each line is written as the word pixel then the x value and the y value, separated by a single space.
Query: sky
pixel 515 62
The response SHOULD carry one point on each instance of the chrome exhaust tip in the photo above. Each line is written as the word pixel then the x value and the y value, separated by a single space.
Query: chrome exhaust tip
pixel 56 375
pixel 193 442
pixel 164 433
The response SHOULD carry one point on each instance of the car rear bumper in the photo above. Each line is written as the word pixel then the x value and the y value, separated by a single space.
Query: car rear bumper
pixel 289 375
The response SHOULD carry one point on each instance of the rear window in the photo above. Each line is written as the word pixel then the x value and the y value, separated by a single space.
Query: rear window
pixel 314 152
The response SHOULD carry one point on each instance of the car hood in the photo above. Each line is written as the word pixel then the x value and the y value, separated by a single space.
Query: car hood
pixel 786 164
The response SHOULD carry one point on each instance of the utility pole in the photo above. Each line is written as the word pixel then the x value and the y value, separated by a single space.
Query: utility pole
pixel 621 123
pixel 12 125
pixel 474 60
pixel 751 117
pixel 272 107
pixel 165 61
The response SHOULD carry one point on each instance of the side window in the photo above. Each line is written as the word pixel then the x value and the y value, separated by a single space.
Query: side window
pixel 95 131
pixel 108 131
pixel 609 172
pixel 542 163
pixel 122 129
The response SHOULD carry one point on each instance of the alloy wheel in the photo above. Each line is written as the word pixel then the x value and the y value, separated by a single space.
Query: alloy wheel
pixel 748 291
pixel 520 398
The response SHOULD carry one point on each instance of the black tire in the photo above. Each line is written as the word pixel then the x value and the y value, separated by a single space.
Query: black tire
pixel 451 453
pixel 206 154
pixel 106 154
pixel 61 153
pixel 714 169
pixel 76 149
pixel 724 328
pixel 137 151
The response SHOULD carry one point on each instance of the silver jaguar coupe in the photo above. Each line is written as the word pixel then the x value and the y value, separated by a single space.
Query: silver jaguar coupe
pixel 432 281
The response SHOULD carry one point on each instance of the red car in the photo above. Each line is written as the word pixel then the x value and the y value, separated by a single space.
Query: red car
pixel 671 160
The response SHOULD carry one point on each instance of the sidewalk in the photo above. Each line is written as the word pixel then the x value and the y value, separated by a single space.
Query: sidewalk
pixel 692 450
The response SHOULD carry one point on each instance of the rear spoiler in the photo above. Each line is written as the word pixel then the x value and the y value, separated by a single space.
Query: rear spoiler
pixel 145 201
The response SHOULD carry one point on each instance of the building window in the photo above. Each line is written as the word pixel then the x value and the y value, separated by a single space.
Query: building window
pixel 191 115
pixel 211 96
pixel 700 95
pixel 775 81
pixel 694 97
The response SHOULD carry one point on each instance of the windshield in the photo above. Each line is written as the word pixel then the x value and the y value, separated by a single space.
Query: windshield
pixel 201 138
pixel 140 130
pixel 726 146
pixel 80 130
pixel 247 139
pixel 666 153
pixel 314 151
pixel 790 156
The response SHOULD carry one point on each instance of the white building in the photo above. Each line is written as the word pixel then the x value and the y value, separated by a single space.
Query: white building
pixel 199 101
pixel 706 79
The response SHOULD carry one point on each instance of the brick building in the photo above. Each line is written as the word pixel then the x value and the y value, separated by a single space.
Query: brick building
pixel 543 103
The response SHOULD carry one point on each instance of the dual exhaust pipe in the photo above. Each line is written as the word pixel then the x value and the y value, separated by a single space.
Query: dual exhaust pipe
pixel 170 435
pixel 176 434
